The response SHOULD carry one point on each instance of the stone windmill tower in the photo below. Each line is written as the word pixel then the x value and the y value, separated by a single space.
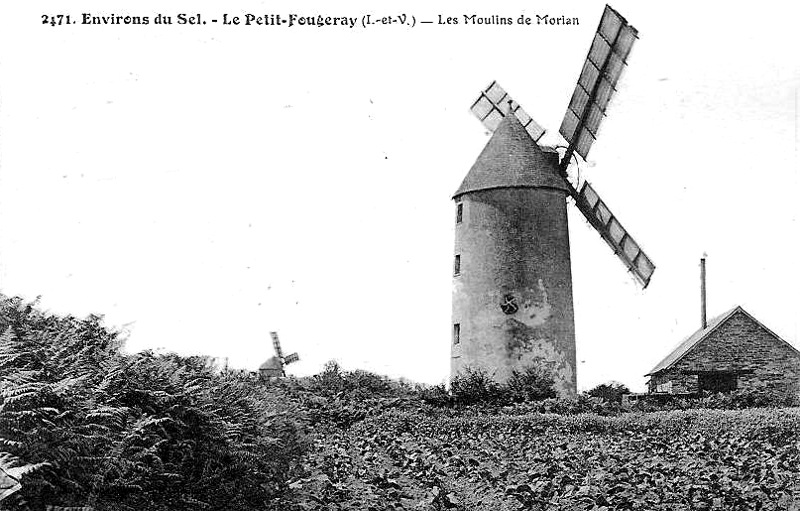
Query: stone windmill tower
pixel 512 279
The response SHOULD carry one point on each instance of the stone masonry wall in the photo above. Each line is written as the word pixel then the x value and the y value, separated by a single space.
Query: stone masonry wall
pixel 741 344
pixel 680 383
pixel 513 245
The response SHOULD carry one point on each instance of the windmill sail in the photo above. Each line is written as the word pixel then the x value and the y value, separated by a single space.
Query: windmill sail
pixel 492 105
pixel 276 343
pixel 601 218
pixel 596 85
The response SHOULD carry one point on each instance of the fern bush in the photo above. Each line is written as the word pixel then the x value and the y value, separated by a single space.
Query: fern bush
pixel 88 426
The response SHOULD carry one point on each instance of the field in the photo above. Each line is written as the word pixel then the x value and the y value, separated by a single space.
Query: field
pixel 404 457
pixel 85 426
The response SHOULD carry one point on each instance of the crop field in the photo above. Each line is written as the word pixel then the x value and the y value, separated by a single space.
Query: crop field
pixel 403 458
pixel 86 426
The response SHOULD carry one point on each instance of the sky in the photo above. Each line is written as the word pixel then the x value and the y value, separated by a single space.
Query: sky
pixel 201 186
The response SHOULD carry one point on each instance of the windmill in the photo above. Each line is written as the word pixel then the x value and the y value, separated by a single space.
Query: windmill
pixel 275 366
pixel 512 284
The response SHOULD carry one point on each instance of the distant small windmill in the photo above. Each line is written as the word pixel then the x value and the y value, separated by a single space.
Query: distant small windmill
pixel 512 284
pixel 275 366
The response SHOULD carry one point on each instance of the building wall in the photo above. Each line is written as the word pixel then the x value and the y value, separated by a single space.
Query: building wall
pixel 741 344
pixel 514 243
pixel 672 382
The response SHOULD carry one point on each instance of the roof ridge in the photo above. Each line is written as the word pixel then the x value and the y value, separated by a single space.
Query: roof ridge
pixel 773 334
pixel 689 343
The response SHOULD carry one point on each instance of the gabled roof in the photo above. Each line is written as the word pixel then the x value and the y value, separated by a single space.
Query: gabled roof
pixel 697 337
pixel 511 159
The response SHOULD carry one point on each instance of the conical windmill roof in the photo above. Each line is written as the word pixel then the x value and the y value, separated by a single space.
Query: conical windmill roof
pixel 511 159
pixel 271 363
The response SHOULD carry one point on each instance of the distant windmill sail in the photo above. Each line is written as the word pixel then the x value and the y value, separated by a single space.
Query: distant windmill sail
pixel 276 343
pixel 281 360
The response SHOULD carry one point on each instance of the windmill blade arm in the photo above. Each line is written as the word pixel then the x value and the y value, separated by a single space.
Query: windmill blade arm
pixel 610 229
pixel 597 82
pixel 276 343
pixel 492 105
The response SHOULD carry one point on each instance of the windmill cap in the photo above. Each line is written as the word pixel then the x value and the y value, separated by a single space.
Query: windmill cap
pixel 271 363
pixel 511 159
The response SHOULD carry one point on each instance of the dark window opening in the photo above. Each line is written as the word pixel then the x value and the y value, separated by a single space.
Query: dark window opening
pixel 457 265
pixel 509 304
pixel 459 212
pixel 456 333
pixel 716 382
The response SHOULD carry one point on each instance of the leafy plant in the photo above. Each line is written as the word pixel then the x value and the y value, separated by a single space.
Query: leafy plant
pixel 475 385
pixel 532 383
pixel 436 395
pixel 611 392
pixel 465 458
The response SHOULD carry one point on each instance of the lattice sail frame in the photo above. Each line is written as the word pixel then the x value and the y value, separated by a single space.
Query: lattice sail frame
pixel 597 213
pixel 601 72
pixel 288 359
pixel 276 343
pixel 493 104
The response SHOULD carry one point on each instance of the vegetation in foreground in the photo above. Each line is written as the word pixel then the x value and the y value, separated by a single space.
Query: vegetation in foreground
pixel 388 450
pixel 91 428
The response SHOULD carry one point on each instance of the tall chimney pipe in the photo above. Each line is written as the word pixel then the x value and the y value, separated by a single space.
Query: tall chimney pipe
pixel 703 290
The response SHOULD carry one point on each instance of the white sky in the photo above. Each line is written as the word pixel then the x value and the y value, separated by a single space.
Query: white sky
pixel 205 185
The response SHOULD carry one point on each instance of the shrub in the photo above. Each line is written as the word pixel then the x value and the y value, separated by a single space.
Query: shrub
pixel 367 385
pixel 435 395
pixel 330 380
pixel 473 386
pixel 357 384
pixel 533 383
pixel 90 426
pixel 611 392
pixel 736 400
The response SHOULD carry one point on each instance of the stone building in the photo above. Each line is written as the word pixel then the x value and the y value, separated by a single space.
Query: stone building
pixel 512 281
pixel 733 351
